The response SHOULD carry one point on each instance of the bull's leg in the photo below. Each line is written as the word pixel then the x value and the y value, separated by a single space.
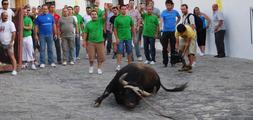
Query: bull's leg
pixel 106 93
pixel 99 100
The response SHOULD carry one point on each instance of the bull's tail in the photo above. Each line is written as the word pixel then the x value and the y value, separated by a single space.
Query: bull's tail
pixel 176 89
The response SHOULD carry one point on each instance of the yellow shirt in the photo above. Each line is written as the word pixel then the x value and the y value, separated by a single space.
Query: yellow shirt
pixel 188 34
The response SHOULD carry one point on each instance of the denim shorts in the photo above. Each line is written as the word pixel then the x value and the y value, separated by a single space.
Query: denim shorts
pixel 6 47
pixel 128 44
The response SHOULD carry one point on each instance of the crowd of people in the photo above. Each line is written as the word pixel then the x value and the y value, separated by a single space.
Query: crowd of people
pixel 116 29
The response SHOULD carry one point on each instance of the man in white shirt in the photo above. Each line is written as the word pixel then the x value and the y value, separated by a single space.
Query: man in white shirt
pixel 5 5
pixel 7 37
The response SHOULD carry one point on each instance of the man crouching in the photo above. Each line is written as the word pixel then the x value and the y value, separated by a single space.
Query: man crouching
pixel 186 45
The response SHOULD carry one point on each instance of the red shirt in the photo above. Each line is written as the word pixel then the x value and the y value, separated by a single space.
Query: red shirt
pixel 56 18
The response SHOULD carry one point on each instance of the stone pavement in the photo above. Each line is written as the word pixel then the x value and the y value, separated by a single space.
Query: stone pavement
pixel 219 89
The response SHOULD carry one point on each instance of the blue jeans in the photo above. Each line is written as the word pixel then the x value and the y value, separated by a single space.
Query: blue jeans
pixel 77 42
pixel 46 40
pixel 137 44
pixel 128 44
pixel 149 48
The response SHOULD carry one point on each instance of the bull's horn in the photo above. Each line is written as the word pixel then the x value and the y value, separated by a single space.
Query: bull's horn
pixel 145 94
pixel 121 79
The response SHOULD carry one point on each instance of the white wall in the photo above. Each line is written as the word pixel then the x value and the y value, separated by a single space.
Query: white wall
pixel 237 20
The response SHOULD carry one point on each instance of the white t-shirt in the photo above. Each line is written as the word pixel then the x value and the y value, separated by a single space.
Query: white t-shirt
pixel 10 14
pixel 75 18
pixel 6 29
pixel 87 18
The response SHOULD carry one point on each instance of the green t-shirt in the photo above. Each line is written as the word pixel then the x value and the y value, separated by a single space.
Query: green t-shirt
pixel 27 21
pixel 94 30
pixel 80 21
pixel 150 24
pixel 100 13
pixel 123 26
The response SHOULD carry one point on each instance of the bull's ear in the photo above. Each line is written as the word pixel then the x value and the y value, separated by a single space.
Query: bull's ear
pixel 122 79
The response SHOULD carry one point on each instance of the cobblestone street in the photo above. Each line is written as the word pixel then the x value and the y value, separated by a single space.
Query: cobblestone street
pixel 219 89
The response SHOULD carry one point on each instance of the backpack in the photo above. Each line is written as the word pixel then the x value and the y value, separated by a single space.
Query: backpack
pixel 197 20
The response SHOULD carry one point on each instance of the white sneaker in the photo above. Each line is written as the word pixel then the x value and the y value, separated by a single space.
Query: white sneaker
pixel 146 62
pixel 64 63
pixel 86 57
pixel 139 58
pixel 78 58
pixel 14 73
pixel 53 65
pixel 72 63
pixel 25 65
pixel 42 65
pixel 201 54
pixel 194 64
pixel 118 68
pixel 91 70
pixel 100 72
pixel 33 67
pixel 152 63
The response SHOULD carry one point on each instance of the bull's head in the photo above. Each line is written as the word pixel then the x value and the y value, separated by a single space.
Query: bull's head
pixel 132 93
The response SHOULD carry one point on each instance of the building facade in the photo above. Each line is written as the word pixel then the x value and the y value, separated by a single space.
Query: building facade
pixel 238 20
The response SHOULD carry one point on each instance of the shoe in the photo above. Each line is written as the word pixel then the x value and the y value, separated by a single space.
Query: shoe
pixel 42 65
pixel 14 73
pixel 78 58
pixel 91 70
pixel 165 65
pixel 117 68
pixel 71 63
pixel 216 56
pixel 146 62
pixel 25 65
pixel 33 67
pixel 221 56
pixel 64 63
pixel 100 72
pixel 201 54
pixel 139 58
pixel 86 57
pixel 194 64
pixel 152 63
pixel 53 65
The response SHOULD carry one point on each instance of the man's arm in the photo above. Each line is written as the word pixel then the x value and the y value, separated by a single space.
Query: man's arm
pixel 85 40
pixel 55 30
pixel 13 36
pixel 36 29
pixel 178 19
pixel 29 27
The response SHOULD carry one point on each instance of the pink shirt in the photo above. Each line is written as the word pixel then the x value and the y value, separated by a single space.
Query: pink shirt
pixel 136 16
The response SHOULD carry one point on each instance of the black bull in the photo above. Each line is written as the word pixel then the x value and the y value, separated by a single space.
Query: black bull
pixel 133 82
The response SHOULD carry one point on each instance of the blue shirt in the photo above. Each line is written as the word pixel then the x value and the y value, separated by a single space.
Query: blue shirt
pixel 203 21
pixel 169 20
pixel 45 23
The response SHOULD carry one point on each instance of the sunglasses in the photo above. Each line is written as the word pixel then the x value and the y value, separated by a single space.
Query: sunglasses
pixel 5 3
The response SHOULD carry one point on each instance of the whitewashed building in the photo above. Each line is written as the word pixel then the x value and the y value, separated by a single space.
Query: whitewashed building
pixel 238 19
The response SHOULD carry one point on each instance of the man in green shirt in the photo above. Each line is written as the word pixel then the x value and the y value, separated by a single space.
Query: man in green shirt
pixel 80 25
pixel 150 32
pixel 93 34
pixel 124 33
pixel 28 51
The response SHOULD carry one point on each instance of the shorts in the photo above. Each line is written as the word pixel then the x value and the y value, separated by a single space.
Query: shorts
pixel 128 44
pixel 6 47
pixel 192 47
